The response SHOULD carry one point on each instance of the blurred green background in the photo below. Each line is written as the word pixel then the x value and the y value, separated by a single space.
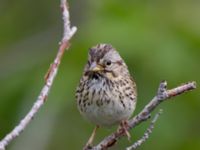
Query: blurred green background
pixel 158 40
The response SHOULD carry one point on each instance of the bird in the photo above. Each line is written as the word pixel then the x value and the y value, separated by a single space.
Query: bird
pixel 106 94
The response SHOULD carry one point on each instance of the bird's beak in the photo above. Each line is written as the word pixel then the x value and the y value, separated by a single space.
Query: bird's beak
pixel 95 67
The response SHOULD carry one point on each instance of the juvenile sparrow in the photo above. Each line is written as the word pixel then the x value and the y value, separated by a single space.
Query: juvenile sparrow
pixel 106 94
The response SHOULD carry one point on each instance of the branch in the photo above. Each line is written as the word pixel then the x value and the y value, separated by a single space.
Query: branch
pixel 146 134
pixel 49 78
pixel 162 95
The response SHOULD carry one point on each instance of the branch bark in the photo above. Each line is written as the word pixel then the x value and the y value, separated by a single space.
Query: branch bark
pixel 146 134
pixel 49 78
pixel 162 95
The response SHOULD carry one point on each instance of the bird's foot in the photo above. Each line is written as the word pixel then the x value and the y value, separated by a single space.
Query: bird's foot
pixel 91 139
pixel 124 127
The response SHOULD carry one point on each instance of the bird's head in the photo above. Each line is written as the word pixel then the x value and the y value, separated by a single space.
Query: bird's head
pixel 104 60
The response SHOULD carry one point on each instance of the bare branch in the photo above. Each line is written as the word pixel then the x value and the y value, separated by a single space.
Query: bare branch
pixel 162 95
pixel 49 78
pixel 146 134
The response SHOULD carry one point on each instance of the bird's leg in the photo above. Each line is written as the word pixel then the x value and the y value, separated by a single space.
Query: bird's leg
pixel 123 127
pixel 91 139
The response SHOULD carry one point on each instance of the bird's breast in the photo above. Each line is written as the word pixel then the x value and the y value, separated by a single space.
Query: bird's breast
pixel 105 104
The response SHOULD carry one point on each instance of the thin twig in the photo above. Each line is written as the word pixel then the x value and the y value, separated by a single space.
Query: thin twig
pixel 162 95
pixel 146 134
pixel 49 78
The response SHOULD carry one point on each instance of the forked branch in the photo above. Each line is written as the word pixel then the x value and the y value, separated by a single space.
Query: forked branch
pixel 49 78
pixel 146 134
pixel 162 95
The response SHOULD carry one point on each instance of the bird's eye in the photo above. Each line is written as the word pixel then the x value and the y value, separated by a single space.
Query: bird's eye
pixel 108 62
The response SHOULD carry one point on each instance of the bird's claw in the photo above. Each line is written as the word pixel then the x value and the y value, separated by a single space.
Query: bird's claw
pixel 124 127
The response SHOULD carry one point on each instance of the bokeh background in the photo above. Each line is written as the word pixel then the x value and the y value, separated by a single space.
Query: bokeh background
pixel 158 40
